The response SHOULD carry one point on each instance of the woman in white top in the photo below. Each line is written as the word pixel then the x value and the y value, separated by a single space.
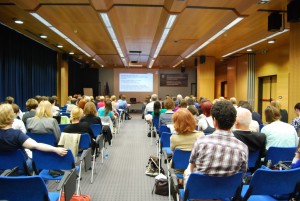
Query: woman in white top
pixel 206 124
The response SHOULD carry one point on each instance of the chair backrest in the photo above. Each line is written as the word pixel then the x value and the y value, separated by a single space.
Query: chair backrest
pixel 62 127
pixel 252 159
pixel 273 182
pixel 164 128
pixel 21 188
pixel 52 161
pixel 106 121
pixel 276 154
pixel 201 186
pixel 165 139
pixel 180 159
pixel 46 138
pixel 11 159
pixel 85 141
pixel 96 128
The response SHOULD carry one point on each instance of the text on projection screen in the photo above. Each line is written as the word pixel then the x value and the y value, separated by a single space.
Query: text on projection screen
pixel 136 82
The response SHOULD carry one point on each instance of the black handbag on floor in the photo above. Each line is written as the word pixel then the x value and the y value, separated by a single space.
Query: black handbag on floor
pixel 161 187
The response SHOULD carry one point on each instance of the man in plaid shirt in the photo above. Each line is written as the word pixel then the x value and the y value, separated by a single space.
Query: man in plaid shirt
pixel 219 154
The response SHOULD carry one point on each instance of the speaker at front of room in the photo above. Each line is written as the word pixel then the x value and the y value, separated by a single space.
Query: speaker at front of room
pixel 202 59
pixel 274 21
pixel 293 11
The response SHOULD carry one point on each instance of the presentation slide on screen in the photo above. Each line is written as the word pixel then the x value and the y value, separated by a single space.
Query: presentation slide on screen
pixel 130 82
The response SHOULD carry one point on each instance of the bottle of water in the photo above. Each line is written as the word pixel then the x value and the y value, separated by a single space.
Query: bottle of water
pixel 106 153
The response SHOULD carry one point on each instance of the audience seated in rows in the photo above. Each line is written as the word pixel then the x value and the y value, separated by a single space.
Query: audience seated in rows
pixel 206 123
pixel 278 133
pixel 219 154
pixel 11 139
pixel 55 109
pixel 122 102
pixel 254 140
pixel 43 121
pixel 114 102
pixel 150 106
pixel 101 102
pixel 192 108
pixel 31 105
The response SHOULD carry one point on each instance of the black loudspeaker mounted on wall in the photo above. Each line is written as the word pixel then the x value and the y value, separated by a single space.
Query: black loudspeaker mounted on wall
pixel 293 11
pixel 274 21
pixel 202 59
pixel 182 69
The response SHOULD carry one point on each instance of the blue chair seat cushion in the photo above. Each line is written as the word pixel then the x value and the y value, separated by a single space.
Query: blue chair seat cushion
pixel 257 197
pixel 167 150
pixel 53 196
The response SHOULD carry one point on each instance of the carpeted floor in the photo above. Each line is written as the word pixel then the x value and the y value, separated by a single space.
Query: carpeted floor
pixel 122 176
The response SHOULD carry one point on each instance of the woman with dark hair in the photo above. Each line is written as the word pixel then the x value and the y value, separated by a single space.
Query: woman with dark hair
pixel 106 111
pixel 278 133
pixel 206 123
pixel 157 111
pixel 296 121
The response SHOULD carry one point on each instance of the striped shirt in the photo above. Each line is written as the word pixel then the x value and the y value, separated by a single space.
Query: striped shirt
pixel 219 154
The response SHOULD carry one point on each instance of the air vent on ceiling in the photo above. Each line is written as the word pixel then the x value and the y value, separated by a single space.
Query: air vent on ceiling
pixel 135 52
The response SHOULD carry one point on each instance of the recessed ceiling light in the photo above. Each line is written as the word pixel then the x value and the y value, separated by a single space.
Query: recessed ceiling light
pixel 71 53
pixel 249 50
pixel 43 36
pixel 102 65
pixel 94 59
pixel 60 46
pixel 18 21
pixel 271 41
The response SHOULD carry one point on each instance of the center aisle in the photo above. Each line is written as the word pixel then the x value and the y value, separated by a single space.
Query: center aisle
pixel 122 176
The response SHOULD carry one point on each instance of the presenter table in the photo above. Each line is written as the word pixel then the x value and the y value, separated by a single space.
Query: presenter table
pixel 135 108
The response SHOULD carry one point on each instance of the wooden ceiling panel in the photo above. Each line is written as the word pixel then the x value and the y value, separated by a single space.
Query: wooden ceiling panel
pixel 139 24
pixel 138 27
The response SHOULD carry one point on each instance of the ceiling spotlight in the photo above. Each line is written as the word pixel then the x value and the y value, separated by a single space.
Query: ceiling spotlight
pixel 263 1
pixel 249 50
pixel 43 36
pixel 60 46
pixel 102 65
pixel 94 59
pixel 71 53
pixel 18 21
pixel 271 41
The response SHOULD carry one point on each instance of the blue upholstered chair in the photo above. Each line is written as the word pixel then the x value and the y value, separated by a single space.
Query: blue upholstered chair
pixel 268 185
pixel 46 138
pixel 201 186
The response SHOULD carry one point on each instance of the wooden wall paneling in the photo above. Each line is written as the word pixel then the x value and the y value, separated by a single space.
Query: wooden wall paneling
pixel 241 78
pixel 206 78
pixel 294 68
pixel 231 78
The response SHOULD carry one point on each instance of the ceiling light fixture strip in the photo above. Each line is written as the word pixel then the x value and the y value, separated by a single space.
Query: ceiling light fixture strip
pixel 165 34
pixel 113 36
pixel 229 26
pixel 179 62
pixel 259 41
pixel 46 23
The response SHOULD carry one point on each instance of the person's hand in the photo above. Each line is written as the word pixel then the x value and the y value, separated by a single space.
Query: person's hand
pixel 61 151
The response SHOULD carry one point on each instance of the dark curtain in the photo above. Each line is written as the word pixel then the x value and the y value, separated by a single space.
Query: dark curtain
pixel 27 68
pixel 82 76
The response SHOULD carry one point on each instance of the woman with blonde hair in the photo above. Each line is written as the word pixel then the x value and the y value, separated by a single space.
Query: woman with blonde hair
pixel 11 139
pixel 43 121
